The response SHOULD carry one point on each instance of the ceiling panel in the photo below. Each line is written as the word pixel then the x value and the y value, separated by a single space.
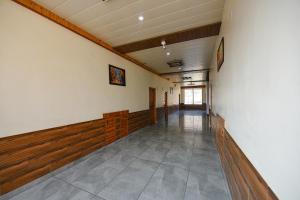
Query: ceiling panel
pixel 196 54
pixel 116 21
pixel 50 4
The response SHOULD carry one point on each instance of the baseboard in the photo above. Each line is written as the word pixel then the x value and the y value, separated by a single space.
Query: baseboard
pixel 26 157
pixel 193 106
pixel 244 181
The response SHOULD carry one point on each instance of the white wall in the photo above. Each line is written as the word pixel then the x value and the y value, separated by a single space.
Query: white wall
pixel 257 90
pixel 50 76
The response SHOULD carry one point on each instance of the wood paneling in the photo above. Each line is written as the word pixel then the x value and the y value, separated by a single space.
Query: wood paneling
pixel 193 106
pixel 116 125
pixel 182 36
pixel 72 27
pixel 26 157
pixel 138 120
pixel 243 179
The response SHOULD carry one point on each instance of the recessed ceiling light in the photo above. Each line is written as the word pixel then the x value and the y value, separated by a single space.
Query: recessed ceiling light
pixel 168 53
pixel 141 18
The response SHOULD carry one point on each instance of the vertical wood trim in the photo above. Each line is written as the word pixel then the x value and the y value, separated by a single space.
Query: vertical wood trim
pixel 244 180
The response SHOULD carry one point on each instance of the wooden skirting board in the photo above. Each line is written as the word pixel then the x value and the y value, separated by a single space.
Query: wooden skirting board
pixel 193 106
pixel 26 157
pixel 244 181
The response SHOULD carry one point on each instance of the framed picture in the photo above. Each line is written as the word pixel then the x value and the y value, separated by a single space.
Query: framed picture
pixel 116 76
pixel 220 54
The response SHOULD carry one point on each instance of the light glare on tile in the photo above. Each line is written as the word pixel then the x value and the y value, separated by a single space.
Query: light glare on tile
pixel 168 53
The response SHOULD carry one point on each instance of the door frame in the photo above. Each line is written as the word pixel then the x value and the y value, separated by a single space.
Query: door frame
pixel 166 108
pixel 153 116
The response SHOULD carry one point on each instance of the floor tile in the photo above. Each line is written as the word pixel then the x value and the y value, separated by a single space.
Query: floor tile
pixel 206 187
pixel 54 189
pixel 155 153
pixel 96 179
pixel 131 182
pixel 178 156
pixel 168 183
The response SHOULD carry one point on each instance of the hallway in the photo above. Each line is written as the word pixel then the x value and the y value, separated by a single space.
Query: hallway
pixel 177 160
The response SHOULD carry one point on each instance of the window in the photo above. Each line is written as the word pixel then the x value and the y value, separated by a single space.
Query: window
pixel 193 96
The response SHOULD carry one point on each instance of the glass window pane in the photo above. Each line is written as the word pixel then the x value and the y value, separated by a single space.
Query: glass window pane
pixel 197 96
pixel 188 96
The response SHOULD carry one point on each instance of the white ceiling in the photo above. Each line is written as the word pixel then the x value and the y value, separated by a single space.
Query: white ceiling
pixel 116 21
pixel 196 54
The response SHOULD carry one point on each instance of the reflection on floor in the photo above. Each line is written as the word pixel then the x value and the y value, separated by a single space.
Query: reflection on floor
pixel 168 161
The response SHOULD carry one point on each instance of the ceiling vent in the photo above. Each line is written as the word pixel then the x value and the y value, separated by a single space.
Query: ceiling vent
pixel 186 78
pixel 175 63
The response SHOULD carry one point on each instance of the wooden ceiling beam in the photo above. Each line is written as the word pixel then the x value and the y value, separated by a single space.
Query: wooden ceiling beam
pixel 186 72
pixel 172 38
pixel 72 27
pixel 198 81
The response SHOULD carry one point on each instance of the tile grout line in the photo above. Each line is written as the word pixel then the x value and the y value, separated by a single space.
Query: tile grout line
pixel 115 177
pixel 160 163
pixel 77 187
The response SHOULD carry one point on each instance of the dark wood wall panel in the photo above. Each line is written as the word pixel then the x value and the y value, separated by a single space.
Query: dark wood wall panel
pixel 26 157
pixel 116 125
pixel 193 106
pixel 137 120
pixel 243 179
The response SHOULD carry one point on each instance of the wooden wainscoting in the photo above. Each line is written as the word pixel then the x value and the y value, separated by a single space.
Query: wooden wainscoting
pixel 116 125
pixel 26 157
pixel 193 106
pixel 137 120
pixel 244 181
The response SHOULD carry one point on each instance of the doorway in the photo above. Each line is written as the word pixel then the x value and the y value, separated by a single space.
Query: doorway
pixel 152 105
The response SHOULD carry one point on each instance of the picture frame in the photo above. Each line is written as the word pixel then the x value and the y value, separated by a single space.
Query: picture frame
pixel 116 76
pixel 220 54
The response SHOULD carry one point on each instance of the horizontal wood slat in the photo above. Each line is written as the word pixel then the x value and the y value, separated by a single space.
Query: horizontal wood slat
pixel 243 179
pixel 26 157
pixel 138 120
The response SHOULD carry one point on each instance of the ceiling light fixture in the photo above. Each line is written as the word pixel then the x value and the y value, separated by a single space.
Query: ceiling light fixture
pixel 168 53
pixel 163 43
pixel 141 18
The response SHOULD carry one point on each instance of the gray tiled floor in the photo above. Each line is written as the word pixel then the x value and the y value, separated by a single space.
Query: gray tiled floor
pixel 168 161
